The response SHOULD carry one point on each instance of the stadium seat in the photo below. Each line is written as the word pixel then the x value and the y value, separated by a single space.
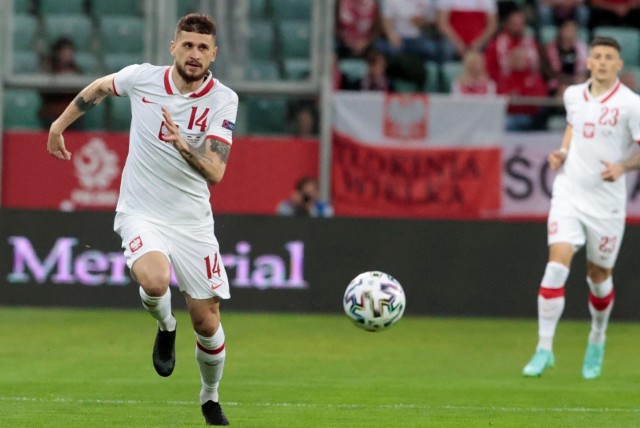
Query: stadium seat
pixel 25 31
pixel 261 70
pixel 88 63
pixel 292 9
pixel 95 120
pixel 121 34
pixel 433 76
pixel 548 32
pixel 295 37
pixel 117 61
pixel 25 62
pixel 297 68
pixel 257 9
pixel 21 108
pixel 100 8
pixel 353 68
pixel 78 28
pixel 404 86
pixel 61 7
pixel 629 39
pixel 450 70
pixel 119 114
pixel 266 115
pixel 22 6
pixel 261 41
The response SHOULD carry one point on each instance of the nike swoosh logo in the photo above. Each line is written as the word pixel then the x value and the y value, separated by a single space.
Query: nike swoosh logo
pixel 146 101
pixel 215 287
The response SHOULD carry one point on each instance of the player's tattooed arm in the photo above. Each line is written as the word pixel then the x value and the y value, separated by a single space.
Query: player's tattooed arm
pixel 222 149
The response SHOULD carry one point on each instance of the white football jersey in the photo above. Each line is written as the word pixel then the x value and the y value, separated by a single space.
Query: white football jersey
pixel 604 128
pixel 157 182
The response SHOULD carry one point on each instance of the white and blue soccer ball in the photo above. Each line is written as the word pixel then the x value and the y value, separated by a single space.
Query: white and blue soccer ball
pixel 374 301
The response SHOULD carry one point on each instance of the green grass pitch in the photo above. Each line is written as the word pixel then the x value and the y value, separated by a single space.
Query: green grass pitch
pixel 92 368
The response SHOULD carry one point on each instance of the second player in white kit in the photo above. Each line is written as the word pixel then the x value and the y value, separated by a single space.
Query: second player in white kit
pixel 588 206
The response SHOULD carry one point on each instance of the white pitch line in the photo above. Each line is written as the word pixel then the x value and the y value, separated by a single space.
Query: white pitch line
pixel 498 409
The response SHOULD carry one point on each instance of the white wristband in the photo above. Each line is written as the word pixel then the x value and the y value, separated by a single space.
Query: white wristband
pixel 563 150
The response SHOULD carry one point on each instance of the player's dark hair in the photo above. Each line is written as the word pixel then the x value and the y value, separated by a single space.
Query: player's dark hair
pixel 605 41
pixel 197 23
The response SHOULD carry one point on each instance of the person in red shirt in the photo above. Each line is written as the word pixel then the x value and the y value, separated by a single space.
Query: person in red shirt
pixel 521 81
pixel 357 26
pixel 466 25
pixel 512 35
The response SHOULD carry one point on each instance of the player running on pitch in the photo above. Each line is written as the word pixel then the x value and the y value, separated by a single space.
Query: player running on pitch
pixel 180 139
pixel 588 206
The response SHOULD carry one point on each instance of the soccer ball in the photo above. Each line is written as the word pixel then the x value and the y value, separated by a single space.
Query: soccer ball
pixel 374 301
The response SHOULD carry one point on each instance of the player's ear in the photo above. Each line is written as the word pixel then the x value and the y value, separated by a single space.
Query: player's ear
pixel 172 48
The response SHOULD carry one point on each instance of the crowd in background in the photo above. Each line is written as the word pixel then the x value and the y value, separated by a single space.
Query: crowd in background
pixel 478 47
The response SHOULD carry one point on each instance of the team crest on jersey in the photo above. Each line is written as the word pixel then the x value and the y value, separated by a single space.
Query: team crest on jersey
pixel 135 244
pixel 589 130
pixel 227 124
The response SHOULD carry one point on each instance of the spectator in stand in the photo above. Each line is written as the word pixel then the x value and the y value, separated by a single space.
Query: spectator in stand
pixel 406 25
pixel 615 13
pixel 357 26
pixel 474 79
pixel 61 60
pixel 376 78
pixel 466 25
pixel 566 55
pixel 555 12
pixel 522 81
pixel 305 201
pixel 513 35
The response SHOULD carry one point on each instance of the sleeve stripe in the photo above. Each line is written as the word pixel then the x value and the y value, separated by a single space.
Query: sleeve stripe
pixel 215 137
pixel 113 85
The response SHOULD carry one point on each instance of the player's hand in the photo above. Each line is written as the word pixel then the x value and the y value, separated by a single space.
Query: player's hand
pixel 556 159
pixel 56 147
pixel 612 171
pixel 173 133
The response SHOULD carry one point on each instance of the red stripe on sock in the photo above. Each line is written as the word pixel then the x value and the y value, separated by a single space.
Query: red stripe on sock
pixel 601 303
pixel 209 351
pixel 551 293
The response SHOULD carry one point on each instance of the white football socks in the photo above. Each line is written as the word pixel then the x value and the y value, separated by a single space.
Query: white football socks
pixel 550 303
pixel 160 309
pixel 601 298
pixel 210 354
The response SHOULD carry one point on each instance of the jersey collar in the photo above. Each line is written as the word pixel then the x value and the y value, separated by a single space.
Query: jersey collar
pixel 602 98
pixel 203 90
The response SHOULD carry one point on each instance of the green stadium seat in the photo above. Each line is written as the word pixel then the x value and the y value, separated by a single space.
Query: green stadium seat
pixel 257 9
pixel 21 107
pixel 100 8
pixel 78 28
pixel 119 114
pixel 117 61
pixel 433 76
pixel 353 68
pixel 296 39
pixel 187 6
pixel 261 70
pixel 25 32
pixel 405 86
pixel 297 68
pixel 629 39
pixel 26 62
pixel 450 70
pixel 88 63
pixel 61 7
pixel 292 9
pixel 22 6
pixel 266 115
pixel 261 41
pixel 548 32
pixel 96 119
pixel 121 34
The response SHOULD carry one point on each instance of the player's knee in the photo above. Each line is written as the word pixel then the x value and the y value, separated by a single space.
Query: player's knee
pixel 206 326
pixel 155 283
pixel 598 274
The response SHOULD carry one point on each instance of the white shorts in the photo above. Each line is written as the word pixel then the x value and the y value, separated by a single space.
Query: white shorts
pixel 602 236
pixel 193 252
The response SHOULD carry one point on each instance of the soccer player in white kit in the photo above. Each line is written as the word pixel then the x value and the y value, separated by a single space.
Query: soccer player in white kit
pixel 588 206
pixel 179 143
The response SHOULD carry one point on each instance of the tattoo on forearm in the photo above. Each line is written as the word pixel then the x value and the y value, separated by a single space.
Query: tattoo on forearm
pixel 221 149
pixel 85 106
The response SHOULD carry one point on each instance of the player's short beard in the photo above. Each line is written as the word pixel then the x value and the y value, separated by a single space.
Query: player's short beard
pixel 189 77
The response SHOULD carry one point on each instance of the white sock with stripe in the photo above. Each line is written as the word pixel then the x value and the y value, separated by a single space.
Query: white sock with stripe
pixel 550 303
pixel 601 297
pixel 210 354
pixel 160 309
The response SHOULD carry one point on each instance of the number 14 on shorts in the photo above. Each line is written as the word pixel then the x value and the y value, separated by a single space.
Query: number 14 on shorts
pixel 212 266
